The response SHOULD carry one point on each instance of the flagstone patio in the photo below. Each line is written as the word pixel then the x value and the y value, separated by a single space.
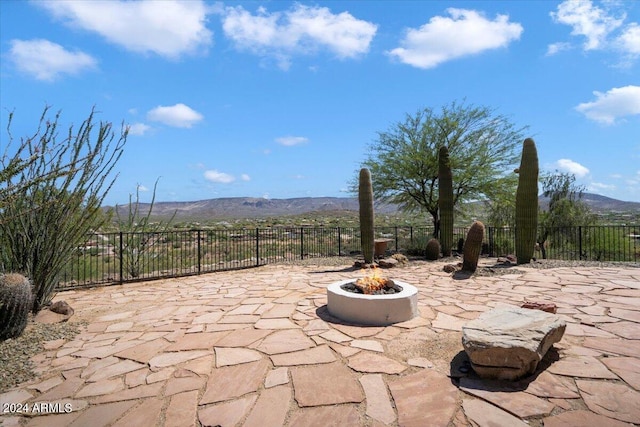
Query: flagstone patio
pixel 257 347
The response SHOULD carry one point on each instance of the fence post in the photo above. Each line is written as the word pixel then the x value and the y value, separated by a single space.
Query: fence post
pixel 580 241
pixel 257 247
pixel 396 228
pixel 199 255
pixel 301 242
pixel 339 243
pixel 121 257
pixel 411 235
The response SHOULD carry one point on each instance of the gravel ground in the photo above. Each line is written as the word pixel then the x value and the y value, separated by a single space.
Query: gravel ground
pixel 487 266
pixel 15 354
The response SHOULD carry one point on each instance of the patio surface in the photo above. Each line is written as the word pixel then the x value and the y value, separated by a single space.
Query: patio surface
pixel 257 348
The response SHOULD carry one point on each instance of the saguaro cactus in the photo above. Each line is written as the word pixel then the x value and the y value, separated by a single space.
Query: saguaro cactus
pixel 15 304
pixel 527 202
pixel 365 198
pixel 445 201
pixel 472 247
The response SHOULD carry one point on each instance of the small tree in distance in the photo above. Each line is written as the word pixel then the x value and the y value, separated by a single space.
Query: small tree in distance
pixel 482 149
pixel 565 208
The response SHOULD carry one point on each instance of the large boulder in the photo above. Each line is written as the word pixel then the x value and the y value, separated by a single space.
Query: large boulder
pixel 508 342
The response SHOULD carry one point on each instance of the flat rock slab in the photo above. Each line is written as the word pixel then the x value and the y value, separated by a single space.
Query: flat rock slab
pixel 508 342
pixel 518 403
pixel 424 398
pixel 611 400
pixel 328 384
pixel 581 418
pixel 326 416
pixel 485 414
pixel 234 381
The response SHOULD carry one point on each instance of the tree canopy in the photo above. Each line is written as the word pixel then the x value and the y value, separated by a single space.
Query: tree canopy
pixel 482 149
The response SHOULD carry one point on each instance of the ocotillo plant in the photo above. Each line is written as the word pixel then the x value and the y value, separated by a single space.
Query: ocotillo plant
pixel 365 198
pixel 445 201
pixel 527 202
pixel 472 247
pixel 15 304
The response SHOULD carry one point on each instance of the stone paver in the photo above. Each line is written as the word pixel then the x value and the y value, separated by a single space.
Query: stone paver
pixel 234 381
pixel 378 404
pixel 258 347
pixel 327 384
pixel 486 414
pixel 424 394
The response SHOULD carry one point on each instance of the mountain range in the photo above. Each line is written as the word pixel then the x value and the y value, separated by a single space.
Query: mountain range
pixel 250 207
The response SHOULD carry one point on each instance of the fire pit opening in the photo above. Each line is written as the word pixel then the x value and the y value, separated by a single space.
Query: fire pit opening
pixel 366 287
pixel 372 300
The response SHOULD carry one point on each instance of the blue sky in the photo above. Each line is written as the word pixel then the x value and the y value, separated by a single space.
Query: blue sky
pixel 283 99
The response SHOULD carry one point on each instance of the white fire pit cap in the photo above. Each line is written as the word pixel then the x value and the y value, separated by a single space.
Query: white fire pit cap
pixel 375 310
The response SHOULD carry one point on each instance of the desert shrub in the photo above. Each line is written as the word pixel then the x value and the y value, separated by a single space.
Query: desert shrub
pixel 52 199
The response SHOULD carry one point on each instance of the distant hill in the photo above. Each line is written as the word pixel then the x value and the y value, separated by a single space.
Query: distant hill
pixel 251 207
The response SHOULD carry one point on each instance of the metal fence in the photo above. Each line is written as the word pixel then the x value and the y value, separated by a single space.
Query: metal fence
pixel 108 258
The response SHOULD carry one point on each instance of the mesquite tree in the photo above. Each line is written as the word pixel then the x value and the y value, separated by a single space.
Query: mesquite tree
pixel 52 197
pixel 482 149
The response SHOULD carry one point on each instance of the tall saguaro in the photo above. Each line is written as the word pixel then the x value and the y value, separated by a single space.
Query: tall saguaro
pixel 365 199
pixel 445 201
pixel 527 202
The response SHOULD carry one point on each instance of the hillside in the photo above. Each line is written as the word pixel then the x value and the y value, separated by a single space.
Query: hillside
pixel 249 207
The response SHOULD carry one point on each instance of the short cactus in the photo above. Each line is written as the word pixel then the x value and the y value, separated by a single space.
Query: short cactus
pixel 472 247
pixel 365 198
pixel 445 201
pixel 527 202
pixel 15 303
pixel 433 249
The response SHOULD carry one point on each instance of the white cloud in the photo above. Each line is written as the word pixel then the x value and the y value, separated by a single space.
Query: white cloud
pixel 167 28
pixel 138 129
pixel 629 40
pixel 46 60
pixel 299 30
pixel 586 20
pixel 245 177
pixel 612 105
pixel 572 167
pixel 554 48
pixel 178 115
pixel 598 186
pixel 465 32
pixel 291 140
pixel 142 188
pixel 602 27
pixel 220 177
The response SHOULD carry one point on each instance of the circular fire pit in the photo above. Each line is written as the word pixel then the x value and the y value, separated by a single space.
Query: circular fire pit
pixel 378 310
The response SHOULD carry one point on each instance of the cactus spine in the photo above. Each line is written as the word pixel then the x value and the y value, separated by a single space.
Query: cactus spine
pixel 445 201
pixel 472 247
pixel 15 303
pixel 527 202
pixel 433 249
pixel 365 198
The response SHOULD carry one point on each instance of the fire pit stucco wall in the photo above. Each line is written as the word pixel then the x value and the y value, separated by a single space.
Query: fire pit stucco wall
pixel 375 310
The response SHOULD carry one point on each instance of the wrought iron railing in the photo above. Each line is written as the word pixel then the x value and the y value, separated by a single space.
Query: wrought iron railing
pixel 109 258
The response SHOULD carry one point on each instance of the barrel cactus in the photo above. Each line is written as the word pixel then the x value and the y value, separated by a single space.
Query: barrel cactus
pixel 472 247
pixel 15 303
pixel 445 201
pixel 527 202
pixel 433 249
pixel 365 198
